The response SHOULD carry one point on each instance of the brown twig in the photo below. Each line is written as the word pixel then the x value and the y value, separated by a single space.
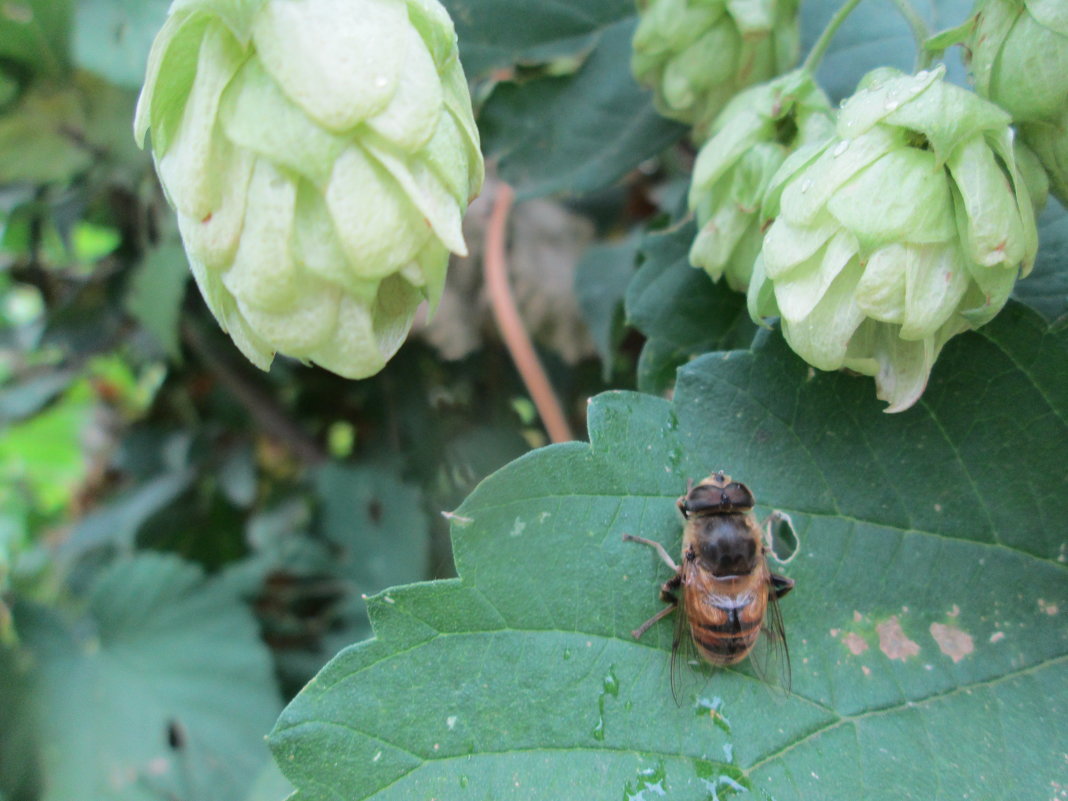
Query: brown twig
pixel 510 324
pixel 264 410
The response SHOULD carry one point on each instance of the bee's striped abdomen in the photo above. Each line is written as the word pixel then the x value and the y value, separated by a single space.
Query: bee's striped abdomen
pixel 725 633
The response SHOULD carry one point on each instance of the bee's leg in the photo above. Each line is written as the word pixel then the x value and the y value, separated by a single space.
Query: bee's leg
pixel 681 502
pixel 644 627
pixel 659 549
pixel 667 589
pixel 780 585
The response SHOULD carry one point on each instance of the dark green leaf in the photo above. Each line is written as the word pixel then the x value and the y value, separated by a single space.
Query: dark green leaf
pixel 118 522
pixel 112 37
pixel 36 144
pixel 1046 289
pixel 925 628
pixel 34 35
pixel 27 396
pixel 678 308
pixel 162 690
pixel 495 34
pixel 578 133
pixel 601 281
pixel 377 525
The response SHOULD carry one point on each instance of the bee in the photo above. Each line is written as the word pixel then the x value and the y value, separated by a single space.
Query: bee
pixel 729 595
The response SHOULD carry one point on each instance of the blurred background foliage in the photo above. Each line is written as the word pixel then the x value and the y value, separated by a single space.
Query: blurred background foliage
pixel 184 541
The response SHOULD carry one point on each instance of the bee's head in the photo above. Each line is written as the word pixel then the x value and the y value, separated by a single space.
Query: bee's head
pixel 717 495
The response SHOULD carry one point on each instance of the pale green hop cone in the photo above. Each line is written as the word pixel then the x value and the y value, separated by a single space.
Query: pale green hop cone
pixel 697 54
pixel 320 155
pixel 1019 59
pixel 908 227
pixel 750 140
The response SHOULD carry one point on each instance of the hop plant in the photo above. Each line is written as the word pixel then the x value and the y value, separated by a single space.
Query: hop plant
pixel 320 155
pixel 1019 59
pixel 697 54
pixel 908 227
pixel 750 140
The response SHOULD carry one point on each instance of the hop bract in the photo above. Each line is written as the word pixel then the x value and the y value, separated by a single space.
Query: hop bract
pixel 911 225
pixel 751 139
pixel 697 54
pixel 1019 59
pixel 320 155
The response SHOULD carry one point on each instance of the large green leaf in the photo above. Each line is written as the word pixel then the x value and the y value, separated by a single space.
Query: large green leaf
pixel 161 690
pixel 926 630
pixel 577 133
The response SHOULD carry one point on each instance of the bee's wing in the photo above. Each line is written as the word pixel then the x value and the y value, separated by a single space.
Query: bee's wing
pixel 683 651
pixel 771 655
pixel 689 672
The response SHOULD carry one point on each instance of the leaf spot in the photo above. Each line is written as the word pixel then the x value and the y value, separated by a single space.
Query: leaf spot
pixel 894 642
pixel 866 669
pixel 954 643
pixel 997 636
pixel 1049 609
pixel 517 528
pixel 450 722
pixel 855 643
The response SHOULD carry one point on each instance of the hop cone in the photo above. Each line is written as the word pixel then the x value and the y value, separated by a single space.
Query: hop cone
pixel 1019 59
pixel 907 228
pixel 320 155
pixel 750 140
pixel 697 54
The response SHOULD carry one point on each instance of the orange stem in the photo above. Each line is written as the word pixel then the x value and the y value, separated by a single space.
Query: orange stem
pixel 510 324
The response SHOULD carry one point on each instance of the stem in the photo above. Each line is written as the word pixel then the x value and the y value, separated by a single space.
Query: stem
pixel 262 408
pixel 815 55
pixel 510 324
pixel 920 32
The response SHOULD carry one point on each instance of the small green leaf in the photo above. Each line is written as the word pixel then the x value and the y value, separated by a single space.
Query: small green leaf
pixel 156 294
pixel 36 142
pixel 1046 289
pixel 578 133
pixel 43 455
pixel 601 280
pixel 118 522
pixel 679 309
pixel 162 690
pixel 23 397
pixel 925 631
